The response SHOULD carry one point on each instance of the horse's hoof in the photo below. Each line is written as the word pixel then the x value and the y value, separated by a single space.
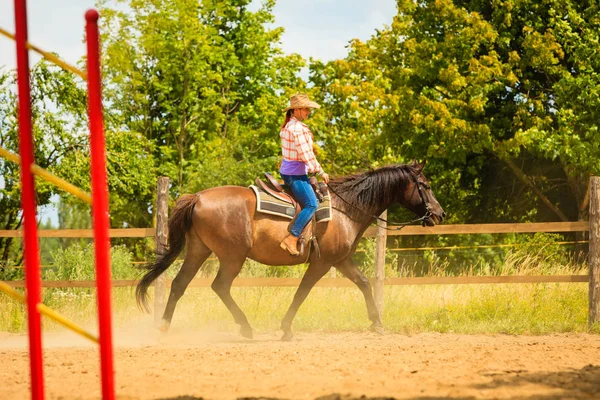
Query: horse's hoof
pixel 164 327
pixel 287 337
pixel 247 332
pixel 378 329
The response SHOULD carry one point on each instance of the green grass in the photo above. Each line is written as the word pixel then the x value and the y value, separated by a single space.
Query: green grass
pixel 493 308
pixel 480 308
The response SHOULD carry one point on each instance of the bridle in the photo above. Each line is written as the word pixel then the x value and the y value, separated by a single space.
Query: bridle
pixel 398 226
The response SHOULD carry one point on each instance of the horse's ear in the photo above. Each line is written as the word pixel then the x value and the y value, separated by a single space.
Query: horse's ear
pixel 419 165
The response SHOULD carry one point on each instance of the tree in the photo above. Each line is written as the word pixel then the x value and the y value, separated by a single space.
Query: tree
pixel 131 176
pixel 58 111
pixel 357 104
pixel 501 97
pixel 201 81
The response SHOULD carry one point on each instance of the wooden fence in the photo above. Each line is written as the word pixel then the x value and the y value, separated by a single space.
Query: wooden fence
pixel 462 229
pixel 593 226
pixel 581 226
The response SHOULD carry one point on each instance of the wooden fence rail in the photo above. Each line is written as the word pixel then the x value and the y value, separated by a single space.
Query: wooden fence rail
pixel 470 229
pixel 466 229
pixel 337 282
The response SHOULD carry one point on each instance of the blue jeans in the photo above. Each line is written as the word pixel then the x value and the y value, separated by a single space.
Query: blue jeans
pixel 305 195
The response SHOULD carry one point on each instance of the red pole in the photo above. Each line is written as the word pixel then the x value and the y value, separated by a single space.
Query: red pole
pixel 100 204
pixel 28 204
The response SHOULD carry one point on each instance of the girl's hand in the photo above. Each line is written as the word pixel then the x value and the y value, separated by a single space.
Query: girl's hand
pixel 325 177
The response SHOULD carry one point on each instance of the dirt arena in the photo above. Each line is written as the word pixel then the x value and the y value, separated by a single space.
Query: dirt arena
pixel 327 366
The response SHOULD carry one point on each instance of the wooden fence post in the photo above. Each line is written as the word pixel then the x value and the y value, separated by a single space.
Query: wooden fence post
pixel 162 230
pixel 594 255
pixel 380 245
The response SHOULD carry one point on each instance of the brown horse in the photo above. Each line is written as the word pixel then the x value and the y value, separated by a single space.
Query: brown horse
pixel 223 221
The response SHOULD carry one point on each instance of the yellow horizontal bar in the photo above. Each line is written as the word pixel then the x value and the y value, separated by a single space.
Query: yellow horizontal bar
pixel 61 183
pixel 41 172
pixel 48 312
pixel 10 156
pixel 49 56
pixel 11 292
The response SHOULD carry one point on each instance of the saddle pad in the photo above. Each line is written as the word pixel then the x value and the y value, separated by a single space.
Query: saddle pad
pixel 268 204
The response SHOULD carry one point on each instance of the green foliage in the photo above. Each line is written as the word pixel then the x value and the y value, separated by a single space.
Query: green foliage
pixel 475 86
pixel 201 81
pixel 77 263
pixel 192 90
pixel 58 109
pixel 131 177
pixel 10 273
pixel 544 248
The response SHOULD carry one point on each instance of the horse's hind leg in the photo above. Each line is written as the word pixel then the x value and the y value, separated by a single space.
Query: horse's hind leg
pixel 196 254
pixel 312 275
pixel 350 271
pixel 228 270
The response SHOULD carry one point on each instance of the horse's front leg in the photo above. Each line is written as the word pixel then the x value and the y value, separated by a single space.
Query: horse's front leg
pixel 351 271
pixel 312 275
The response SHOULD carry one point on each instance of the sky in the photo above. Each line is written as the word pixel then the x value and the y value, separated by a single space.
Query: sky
pixel 313 28
pixel 320 29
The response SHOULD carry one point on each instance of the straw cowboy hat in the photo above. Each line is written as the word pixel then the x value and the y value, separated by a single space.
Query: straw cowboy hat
pixel 301 100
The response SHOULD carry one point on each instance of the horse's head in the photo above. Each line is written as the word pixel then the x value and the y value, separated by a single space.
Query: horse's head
pixel 420 199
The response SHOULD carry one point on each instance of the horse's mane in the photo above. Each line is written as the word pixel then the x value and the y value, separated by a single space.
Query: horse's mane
pixel 369 190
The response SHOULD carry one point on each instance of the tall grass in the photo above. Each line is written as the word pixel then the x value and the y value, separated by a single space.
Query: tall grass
pixel 482 308
pixel 510 308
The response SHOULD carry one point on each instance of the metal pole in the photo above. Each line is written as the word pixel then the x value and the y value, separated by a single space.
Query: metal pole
pixel 594 256
pixel 28 204
pixel 100 204
pixel 380 244
pixel 162 231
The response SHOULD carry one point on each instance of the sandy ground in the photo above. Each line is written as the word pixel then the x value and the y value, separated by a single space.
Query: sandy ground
pixel 345 366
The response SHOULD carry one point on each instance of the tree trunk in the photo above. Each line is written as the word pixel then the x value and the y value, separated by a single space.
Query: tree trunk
pixel 521 175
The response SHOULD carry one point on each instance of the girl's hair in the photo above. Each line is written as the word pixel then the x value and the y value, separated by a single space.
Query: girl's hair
pixel 288 116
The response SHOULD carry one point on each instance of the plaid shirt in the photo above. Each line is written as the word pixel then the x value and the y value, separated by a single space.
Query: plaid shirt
pixel 297 145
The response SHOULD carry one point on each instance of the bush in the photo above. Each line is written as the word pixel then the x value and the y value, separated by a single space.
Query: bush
pixel 77 263
pixel 8 273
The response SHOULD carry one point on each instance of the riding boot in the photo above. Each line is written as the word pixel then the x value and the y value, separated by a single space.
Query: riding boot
pixel 290 244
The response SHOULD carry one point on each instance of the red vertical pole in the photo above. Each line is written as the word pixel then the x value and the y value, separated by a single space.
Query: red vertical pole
pixel 100 204
pixel 28 204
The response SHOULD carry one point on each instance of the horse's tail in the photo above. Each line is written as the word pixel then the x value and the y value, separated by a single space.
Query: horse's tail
pixel 179 223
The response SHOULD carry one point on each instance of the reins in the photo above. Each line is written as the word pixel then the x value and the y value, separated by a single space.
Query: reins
pixel 397 226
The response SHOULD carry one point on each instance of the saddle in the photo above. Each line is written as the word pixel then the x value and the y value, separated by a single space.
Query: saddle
pixel 277 190
pixel 284 193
